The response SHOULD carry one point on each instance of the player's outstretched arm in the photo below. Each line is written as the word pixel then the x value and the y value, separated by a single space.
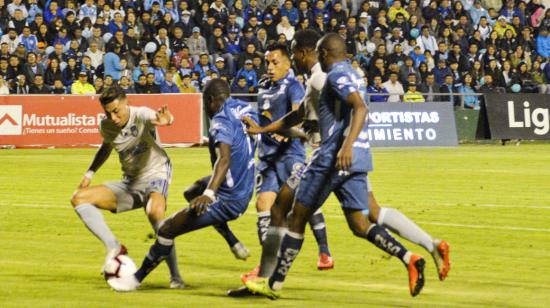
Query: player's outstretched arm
pixel 100 157
pixel 163 117
pixel 360 110
pixel 200 204
pixel 284 124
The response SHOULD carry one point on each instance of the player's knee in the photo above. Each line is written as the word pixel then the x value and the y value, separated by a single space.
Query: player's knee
pixel 165 229
pixel 374 214
pixel 359 229
pixel 77 198
pixel 278 216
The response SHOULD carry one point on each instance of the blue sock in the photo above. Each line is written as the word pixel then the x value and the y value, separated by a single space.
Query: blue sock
pixel 229 237
pixel 157 254
pixel 319 229
pixel 290 247
pixel 383 240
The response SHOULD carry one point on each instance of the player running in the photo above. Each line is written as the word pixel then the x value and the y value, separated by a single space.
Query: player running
pixel 278 157
pixel 305 59
pixel 341 166
pixel 229 190
pixel 147 170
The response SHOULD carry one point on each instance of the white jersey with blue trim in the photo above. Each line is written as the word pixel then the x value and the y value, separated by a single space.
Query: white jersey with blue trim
pixel 138 145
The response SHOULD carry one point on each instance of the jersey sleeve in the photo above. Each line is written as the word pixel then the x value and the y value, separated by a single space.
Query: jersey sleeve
pixel 221 131
pixel 318 81
pixel 146 114
pixel 342 83
pixel 296 93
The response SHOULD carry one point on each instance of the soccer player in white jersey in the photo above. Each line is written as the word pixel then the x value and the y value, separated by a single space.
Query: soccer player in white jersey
pixel 131 131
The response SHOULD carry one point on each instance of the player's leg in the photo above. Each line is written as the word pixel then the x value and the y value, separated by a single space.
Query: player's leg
pixel 267 188
pixel 155 210
pixel 353 197
pixel 237 248
pixel 400 224
pixel 86 203
pixel 319 229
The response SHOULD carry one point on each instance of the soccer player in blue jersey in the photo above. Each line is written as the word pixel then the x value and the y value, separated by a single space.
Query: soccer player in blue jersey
pixel 229 190
pixel 278 157
pixel 341 166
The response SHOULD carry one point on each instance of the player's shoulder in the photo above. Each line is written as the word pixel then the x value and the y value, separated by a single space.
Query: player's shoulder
pixel 107 128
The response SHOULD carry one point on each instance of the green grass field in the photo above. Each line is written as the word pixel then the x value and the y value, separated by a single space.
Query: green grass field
pixel 491 203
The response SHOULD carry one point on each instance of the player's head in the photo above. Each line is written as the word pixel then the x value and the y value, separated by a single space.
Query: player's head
pixel 278 61
pixel 304 55
pixel 331 49
pixel 115 104
pixel 216 92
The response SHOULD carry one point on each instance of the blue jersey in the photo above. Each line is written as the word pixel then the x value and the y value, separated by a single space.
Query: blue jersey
pixel 335 117
pixel 274 101
pixel 227 128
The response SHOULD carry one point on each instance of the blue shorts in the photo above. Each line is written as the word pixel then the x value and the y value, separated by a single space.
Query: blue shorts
pixel 317 183
pixel 218 212
pixel 272 175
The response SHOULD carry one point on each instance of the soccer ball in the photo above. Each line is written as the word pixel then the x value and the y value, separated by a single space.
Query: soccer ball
pixel 119 266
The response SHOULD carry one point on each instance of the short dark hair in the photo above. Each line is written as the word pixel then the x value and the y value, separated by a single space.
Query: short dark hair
pixel 110 94
pixel 306 39
pixel 280 47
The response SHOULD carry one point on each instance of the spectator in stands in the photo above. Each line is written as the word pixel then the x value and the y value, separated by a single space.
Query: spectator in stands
pixel 32 68
pixel 470 101
pixel 448 88
pixel 58 87
pixel 98 85
pixel 259 67
pixel 284 27
pixel 4 89
pixel 249 74
pixel 20 85
pixel 203 66
pixel 394 87
pixel 197 45
pixel 124 84
pixel 158 70
pixel 407 69
pixel 151 87
pixel 169 85
pixel 412 95
pixel 53 73
pixel 217 47
pixel 240 87
pixel 377 88
pixel 11 39
pixel 430 88
pixel 82 86
pixel 141 84
pixel 111 62
pixel 186 86
pixel 222 69
pixel 70 73
pixel 38 86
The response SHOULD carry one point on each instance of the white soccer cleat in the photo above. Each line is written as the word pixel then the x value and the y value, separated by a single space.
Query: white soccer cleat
pixel 177 283
pixel 124 284
pixel 240 251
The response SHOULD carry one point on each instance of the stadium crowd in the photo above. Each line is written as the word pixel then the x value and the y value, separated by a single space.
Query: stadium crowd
pixel 405 47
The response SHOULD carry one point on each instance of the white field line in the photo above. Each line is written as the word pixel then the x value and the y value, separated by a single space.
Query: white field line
pixel 443 224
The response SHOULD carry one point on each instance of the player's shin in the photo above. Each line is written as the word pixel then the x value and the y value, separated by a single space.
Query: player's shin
pixel 406 228
pixel 223 230
pixel 383 240
pixel 290 247
pixel 271 245
pixel 158 252
pixel 92 218
pixel 318 227
pixel 171 261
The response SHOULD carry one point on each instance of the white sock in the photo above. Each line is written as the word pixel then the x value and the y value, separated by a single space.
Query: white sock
pixel 92 218
pixel 404 227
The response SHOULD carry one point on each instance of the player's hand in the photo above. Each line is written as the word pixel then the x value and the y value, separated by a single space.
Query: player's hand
pixel 164 117
pixel 279 138
pixel 344 158
pixel 253 127
pixel 200 204
pixel 85 182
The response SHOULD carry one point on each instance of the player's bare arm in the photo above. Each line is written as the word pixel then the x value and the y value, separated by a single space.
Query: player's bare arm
pixel 164 117
pixel 200 204
pixel 359 114
pixel 291 119
pixel 100 158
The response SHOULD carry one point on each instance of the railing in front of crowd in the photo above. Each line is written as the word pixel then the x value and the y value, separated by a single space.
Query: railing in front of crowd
pixel 442 97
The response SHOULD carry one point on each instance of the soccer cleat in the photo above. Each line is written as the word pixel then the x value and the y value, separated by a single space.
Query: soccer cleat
pixel 441 258
pixel 261 286
pixel 416 274
pixel 253 274
pixel 177 283
pixel 242 291
pixel 124 284
pixel 240 251
pixel 325 262
pixel 114 253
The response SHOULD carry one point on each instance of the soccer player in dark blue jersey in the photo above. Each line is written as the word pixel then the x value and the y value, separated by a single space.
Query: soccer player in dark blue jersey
pixel 229 190
pixel 341 166
pixel 278 157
